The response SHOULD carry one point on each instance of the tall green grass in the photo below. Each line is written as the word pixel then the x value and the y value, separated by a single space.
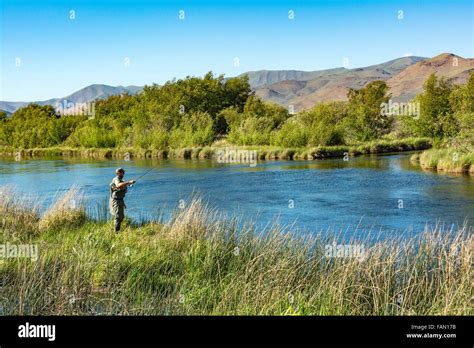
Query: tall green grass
pixel 446 160
pixel 201 262
pixel 264 152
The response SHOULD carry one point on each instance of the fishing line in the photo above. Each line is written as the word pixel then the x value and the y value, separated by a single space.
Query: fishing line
pixel 141 176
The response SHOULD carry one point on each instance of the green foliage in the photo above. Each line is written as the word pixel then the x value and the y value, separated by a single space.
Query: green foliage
pixel 292 134
pixel 180 113
pixel 256 123
pixel 328 124
pixel 194 112
pixel 251 131
pixel 366 119
pixel 167 106
pixel 446 114
pixel 322 125
pixel 448 160
pixel 37 126
pixel 436 119
pixel 91 135
pixel 197 131
pixel 462 104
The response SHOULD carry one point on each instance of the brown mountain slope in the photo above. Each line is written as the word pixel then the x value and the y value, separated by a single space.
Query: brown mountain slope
pixel 405 77
pixel 409 82
pixel 305 89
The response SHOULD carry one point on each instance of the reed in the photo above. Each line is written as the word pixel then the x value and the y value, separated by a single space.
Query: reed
pixel 446 160
pixel 264 152
pixel 202 262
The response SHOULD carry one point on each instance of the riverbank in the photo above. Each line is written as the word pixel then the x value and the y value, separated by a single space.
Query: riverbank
pixel 446 160
pixel 199 263
pixel 262 152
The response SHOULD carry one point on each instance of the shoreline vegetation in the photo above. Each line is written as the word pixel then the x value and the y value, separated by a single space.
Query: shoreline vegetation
pixel 446 160
pixel 203 263
pixel 195 118
pixel 209 152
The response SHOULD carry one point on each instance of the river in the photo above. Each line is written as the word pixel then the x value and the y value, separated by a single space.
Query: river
pixel 365 193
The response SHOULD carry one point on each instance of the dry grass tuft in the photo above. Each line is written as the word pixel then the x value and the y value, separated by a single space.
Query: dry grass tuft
pixel 67 211
pixel 18 213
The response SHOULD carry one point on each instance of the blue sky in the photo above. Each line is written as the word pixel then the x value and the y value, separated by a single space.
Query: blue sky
pixel 59 55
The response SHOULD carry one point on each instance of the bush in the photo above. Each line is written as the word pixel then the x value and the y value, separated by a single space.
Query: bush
pixel 291 134
pixel 251 131
pixel 93 136
pixel 197 131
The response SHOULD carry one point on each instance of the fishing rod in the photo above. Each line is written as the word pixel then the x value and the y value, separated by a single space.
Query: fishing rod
pixel 141 176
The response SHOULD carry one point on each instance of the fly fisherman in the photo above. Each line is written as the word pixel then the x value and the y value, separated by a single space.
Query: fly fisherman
pixel 118 189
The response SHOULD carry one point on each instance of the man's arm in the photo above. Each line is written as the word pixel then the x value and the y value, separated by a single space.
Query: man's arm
pixel 125 183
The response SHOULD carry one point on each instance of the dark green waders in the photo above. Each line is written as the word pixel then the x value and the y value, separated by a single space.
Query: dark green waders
pixel 117 207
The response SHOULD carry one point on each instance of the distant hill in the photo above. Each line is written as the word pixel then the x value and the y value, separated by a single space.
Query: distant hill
pixel 10 107
pixel 409 82
pixel 93 92
pixel 304 89
pixel 260 78
pixel 83 95
pixel 405 77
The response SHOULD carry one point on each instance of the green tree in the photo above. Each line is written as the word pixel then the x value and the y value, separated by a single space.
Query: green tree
pixel 462 105
pixel 366 119
pixel 37 126
pixel 436 119
pixel 256 123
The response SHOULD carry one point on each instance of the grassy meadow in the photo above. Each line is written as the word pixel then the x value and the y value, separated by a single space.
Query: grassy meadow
pixel 201 262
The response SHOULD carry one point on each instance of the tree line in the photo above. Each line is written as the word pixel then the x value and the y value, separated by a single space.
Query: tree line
pixel 198 111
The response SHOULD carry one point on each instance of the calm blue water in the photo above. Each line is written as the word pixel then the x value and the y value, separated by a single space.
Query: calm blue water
pixel 329 194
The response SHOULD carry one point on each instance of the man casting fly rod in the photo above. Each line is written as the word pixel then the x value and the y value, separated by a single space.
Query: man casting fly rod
pixel 118 189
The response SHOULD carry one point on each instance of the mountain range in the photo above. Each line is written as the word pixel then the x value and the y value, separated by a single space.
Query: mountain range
pixel 303 89
pixel 84 95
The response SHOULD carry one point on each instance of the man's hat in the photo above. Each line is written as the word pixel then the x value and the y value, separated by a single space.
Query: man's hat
pixel 119 170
